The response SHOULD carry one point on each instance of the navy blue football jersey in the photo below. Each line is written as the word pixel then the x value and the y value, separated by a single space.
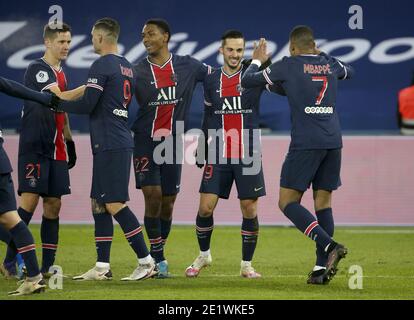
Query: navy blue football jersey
pixel 5 166
pixel 42 128
pixel 310 83
pixel 106 99
pixel 164 93
pixel 232 109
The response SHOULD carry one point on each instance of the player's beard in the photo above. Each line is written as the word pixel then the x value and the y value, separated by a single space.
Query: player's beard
pixel 233 67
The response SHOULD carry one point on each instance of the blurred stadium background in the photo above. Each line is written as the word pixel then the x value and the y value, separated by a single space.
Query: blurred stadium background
pixel 378 166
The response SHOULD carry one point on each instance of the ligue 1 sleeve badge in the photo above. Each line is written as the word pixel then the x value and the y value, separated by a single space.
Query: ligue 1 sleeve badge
pixel 42 76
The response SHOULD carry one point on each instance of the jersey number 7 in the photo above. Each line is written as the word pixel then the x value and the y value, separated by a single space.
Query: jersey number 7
pixel 324 80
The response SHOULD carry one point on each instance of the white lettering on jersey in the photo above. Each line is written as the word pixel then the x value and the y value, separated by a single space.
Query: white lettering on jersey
pixel 169 95
pixel 235 106
pixel 42 76
pixel 120 113
pixel 312 110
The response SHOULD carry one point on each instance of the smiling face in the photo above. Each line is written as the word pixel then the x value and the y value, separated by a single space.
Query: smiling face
pixel 59 45
pixel 232 51
pixel 154 39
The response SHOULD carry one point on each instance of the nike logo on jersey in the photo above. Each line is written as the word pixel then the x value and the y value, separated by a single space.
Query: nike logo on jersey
pixel 257 189
pixel 177 186
pixel 103 195
pixel 153 82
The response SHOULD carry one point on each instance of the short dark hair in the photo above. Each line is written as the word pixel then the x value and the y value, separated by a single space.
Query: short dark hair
pixel 111 26
pixel 51 30
pixel 231 34
pixel 302 36
pixel 162 24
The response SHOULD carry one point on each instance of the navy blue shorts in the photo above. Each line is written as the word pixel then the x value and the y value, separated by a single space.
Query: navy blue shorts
pixel 110 176
pixel 44 176
pixel 321 168
pixel 149 173
pixel 7 197
pixel 218 179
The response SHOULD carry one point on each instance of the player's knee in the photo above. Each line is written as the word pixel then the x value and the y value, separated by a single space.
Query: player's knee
pixel 9 220
pixel 249 208
pixel 51 207
pixel 96 207
pixel 153 196
pixel 29 201
pixel 167 207
pixel 283 203
pixel 205 210
pixel 114 208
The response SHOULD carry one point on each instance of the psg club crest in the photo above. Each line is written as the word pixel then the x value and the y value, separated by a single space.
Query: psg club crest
pixel 32 182
pixel 174 77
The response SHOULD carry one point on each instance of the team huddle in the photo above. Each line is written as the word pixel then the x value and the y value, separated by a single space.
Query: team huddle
pixel 163 85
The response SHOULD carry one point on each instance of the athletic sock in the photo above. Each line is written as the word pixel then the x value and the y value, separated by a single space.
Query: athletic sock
pixel 306 223
pixel 26 247
pixel 11 253
pixel 204 229
pixel 165 229
pixel 49 234
pixel 153 228
pixel 250 233
pixel 326 221
pixel 133 231
pixel 5 235
pixel 104 232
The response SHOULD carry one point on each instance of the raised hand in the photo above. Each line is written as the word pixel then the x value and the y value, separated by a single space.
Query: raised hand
pixel 260 51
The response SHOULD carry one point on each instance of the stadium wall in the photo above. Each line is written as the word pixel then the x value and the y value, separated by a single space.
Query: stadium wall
pixel 377 177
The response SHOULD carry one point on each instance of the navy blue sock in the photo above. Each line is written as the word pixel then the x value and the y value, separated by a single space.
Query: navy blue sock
pixel 49 234
pixel 133 231
pixel 104 232
pixel 250 233
pixel 204 229
pixel 165 229
pixel 306 223
pixel 11 248
pixel 26 247
pixel 326 221
pixel 153 227
pixel 26 216
pixel 5 235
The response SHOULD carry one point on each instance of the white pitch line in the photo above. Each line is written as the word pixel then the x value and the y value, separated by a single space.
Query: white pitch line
pixel 298 276
pixel 375 231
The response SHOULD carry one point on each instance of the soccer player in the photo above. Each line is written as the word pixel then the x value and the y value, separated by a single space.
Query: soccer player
pixel 45 145
pixel 106 100
pixel 309 79
pixel 11 225
pixel 234 113
pixel 164 86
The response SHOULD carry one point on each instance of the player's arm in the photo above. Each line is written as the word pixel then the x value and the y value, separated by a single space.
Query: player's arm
pixel 17 90
pixel 202 69
pixel 70 144
pixel 70 94
pixel 84 105
pixel 341 69
pixel 202 143
pixel 253 77
pixel 93 92
pixel 276 88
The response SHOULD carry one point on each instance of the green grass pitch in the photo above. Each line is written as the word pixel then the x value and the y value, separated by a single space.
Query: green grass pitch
pixel 283 257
